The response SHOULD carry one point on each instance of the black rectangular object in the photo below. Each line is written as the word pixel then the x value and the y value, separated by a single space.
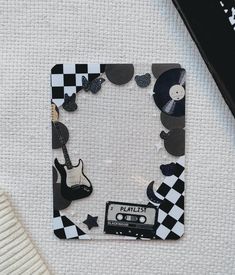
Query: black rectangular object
pixel 128 219
pixel 211 24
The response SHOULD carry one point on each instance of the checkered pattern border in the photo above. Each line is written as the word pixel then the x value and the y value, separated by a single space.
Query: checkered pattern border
pixel 67 79
pixel 171 209
pixel 64 228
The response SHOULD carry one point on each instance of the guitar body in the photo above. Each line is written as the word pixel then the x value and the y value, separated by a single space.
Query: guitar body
pixel 74 183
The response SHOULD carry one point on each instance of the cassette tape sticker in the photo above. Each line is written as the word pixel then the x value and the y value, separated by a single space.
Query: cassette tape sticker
pixel 161 214
pixel 130 219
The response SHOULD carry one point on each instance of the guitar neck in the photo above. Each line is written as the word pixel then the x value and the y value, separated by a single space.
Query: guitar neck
pixel 68 162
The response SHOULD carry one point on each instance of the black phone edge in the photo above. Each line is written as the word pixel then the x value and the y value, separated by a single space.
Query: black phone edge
pixel 225 93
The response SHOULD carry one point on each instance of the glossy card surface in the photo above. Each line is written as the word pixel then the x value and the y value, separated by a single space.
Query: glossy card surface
pixel 118 145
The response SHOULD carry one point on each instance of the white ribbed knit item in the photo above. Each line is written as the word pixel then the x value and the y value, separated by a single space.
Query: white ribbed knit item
pixel 17 253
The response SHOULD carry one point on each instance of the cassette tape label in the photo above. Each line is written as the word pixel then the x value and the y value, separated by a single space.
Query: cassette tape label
pixel 130 220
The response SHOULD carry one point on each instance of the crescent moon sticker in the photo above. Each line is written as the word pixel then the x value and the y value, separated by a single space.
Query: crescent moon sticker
pixel 152 194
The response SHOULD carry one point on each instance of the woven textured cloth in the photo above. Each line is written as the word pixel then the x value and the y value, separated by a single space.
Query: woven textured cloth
pixel 38 34
pixel 17 253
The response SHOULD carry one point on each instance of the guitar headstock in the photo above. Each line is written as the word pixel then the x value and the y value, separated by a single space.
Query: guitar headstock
pixel 54 112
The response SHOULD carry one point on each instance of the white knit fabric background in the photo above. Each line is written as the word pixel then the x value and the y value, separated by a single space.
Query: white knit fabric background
pixel 17 253
pixel 35 35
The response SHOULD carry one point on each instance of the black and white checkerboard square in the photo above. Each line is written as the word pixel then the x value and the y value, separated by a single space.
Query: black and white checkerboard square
pixel 64 228
pixel 67 79
pixel 171 209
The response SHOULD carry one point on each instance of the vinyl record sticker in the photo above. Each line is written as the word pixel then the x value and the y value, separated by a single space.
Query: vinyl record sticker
pixel 172 122
pixel 119 74
pixel 158 69
pixel 174 141
pixel 169 92
pixel 59 132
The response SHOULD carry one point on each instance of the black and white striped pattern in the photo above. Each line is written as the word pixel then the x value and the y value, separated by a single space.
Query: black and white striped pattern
pixel 17 253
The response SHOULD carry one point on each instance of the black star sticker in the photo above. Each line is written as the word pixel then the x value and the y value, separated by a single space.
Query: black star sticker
pixel 91 221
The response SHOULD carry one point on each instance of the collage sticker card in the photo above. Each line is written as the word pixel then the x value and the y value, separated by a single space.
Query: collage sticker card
pixel 118 142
